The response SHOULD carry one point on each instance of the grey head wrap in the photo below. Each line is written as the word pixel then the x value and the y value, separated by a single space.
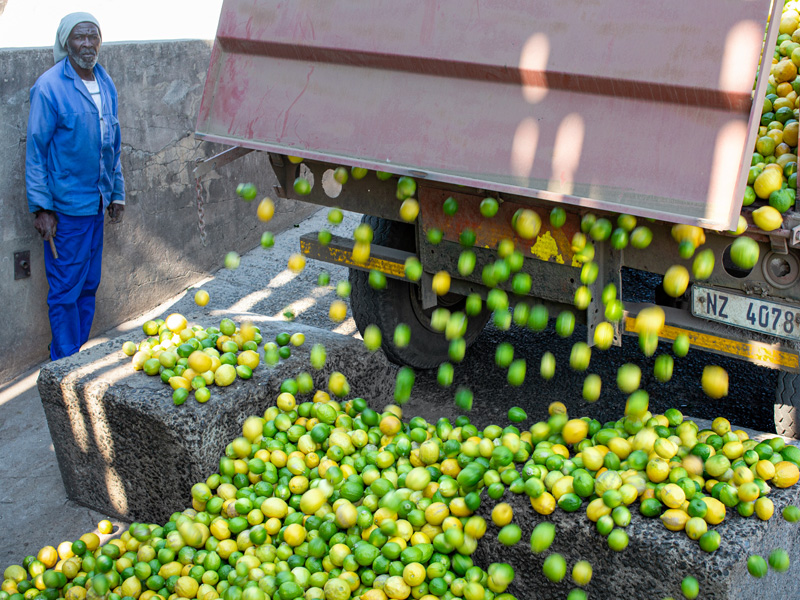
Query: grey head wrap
pixel 65 28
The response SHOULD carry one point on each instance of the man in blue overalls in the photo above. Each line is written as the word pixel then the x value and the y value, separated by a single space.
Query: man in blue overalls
pixel 72 175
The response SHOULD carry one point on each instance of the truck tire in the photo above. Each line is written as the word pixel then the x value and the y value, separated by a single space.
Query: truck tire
pixel 787 402
pixel 399 302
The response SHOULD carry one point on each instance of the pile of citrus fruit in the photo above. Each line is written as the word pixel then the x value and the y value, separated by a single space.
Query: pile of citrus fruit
pixel 329 499
pixel 190 359
pixel 772 180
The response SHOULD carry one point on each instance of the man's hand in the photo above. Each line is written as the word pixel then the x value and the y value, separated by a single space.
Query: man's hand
pixel 45 223
pixel 115 212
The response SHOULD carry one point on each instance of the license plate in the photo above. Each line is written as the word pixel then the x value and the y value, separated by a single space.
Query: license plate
pixel 764 316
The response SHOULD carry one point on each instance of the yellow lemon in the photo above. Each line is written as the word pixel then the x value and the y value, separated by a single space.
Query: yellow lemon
pixel 786 474
pixel 768 181
pixel 338 311
pixel 715 381
pixel 502 514
pixel 201 297
pixel 604 335
pixel 199 361
pixel 672 495
pixel 545 504
pixel 249 358
pixel 297 263
pixel 409 210
pixel 361 251
pixel 175 322
pixel 764 508
pixel 768 218
pixel 674 519
pixel 575 430
pixel 266 209
pixel 676 280
pixel 441 283
pixel 716 510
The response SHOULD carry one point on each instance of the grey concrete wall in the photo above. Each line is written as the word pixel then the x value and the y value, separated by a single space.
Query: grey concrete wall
pixel 156 252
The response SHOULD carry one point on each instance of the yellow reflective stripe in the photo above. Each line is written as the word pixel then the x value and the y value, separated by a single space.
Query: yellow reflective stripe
pixel 345 257
pixel 750 350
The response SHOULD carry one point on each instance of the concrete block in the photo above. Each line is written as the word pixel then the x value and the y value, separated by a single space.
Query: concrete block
pixel 125 449
pixel 655 561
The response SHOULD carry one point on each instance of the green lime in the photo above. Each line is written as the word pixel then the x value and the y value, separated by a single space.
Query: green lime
pixel 467 238
pixel 510 534
pixel 247 191
pixel 335 216
pixel 779 560
pixel 445 374
pixel 463 399
pixel 516 372
pixel 521 284
pixel 650 507
pixel 450 206
pixel 435 235
pixel 756 566
pixel 538 318
pixel 542 537
pixel 569 502
pixel 565 323
pixel 302 187
pixel 558 216
pixel 547 366
pixel 243 371
pixel 489 207
pixel 504 355
pixel 680 347
pixel 791 513
pixel 179 396
pixel 466 262
pixel 554 567
pixel 587 221
pixel 641 237
pixel 601 230
pixel 618 540
pixel 516 414
pixel 605 525
pixel 690 587
pixel 267 240
pixel 710 541
pixel 202 395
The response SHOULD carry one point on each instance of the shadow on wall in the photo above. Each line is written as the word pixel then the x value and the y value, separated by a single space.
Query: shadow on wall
pixel 157 251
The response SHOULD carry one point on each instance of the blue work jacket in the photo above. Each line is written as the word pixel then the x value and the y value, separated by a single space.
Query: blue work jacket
pixel 68 167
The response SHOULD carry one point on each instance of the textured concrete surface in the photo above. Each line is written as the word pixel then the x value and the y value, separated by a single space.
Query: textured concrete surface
pixel 156 252
pixel 119 437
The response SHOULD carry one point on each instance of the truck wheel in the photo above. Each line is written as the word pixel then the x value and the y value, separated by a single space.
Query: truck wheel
pixel 787 402
pixel 400 302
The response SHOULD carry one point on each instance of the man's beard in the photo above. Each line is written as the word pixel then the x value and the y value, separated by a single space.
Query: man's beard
pixel 86 61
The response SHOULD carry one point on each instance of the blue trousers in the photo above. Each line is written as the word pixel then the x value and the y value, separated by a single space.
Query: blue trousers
pixel 73 278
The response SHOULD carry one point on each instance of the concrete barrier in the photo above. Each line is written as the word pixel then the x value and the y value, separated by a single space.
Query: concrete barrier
pixel 157 251
pixel 125 449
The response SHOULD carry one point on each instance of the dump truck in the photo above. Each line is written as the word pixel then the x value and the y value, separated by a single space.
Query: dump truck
pixel 610 108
